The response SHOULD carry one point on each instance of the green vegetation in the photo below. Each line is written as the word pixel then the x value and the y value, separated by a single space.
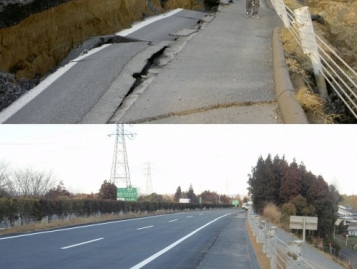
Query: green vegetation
pixel 294 191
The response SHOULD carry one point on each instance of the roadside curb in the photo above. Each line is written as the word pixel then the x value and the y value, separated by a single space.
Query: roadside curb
pixel 290 109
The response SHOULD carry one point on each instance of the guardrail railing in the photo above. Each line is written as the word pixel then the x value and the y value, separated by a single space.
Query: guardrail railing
pixel 282 255
pixel 329 68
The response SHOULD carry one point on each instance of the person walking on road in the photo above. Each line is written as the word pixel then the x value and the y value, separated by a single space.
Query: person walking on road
pixel 252 4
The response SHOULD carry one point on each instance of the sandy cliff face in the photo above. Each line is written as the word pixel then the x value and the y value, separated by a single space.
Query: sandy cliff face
pixel 41 41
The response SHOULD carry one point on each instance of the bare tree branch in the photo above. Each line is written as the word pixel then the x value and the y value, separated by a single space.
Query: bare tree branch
pixel 28 183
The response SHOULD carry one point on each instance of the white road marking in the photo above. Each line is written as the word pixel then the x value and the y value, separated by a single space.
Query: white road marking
pixel 8 112
pixel 142 24
pixel 158 254
pixel 173 220
pixel 189 216
pixel 200 214
pixel 146 227
pixel 87 242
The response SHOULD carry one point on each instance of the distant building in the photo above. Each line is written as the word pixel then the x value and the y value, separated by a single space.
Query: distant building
pixel 346 211
pixel 348 216
pixel 352 229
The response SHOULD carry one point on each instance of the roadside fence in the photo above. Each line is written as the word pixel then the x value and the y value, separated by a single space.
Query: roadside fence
pixel 282 255
pixel 329 68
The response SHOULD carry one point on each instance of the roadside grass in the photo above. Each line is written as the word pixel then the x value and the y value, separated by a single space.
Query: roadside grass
pixel 61 223
pixel 339 31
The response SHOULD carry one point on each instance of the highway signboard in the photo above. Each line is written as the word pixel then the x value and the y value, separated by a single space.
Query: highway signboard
pixel 127 194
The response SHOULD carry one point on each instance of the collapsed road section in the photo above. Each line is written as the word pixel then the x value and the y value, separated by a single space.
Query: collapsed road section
pixel 75 92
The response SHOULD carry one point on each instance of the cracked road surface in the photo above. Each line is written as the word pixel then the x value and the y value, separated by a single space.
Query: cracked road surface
pixel 213 69
pixel 224 74
pixel 68 95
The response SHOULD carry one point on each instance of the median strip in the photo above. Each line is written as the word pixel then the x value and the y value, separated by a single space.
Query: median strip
pixel 158 254
pixel 87 242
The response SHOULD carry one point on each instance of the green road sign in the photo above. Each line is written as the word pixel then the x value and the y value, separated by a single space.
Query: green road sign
pixel 235 203
pixel 127 194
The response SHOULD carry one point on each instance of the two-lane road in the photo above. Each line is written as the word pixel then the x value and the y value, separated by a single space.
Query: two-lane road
pixel 168 241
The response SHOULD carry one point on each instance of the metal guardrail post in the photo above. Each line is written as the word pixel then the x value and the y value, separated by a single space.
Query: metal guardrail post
pixel 280 9
pixel 294 252
pixel 271 247
pixel 309 46
pixel 261 232
pixel 256 226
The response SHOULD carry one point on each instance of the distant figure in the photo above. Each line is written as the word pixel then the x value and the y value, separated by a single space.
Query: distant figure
pixel 252 4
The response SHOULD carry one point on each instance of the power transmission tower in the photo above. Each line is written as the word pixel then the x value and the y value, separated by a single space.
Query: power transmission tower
pixel 149 189
pixel 120 169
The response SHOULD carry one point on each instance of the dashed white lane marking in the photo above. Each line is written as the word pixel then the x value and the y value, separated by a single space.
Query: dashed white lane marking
pixel 173 220
pixel 87 242
pixel 146 227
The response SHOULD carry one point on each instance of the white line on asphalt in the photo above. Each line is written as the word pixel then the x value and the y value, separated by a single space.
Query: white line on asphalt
pixel 80 227
pixel 29 96
pixel 189 216
pixel 87 242
pixel 6 113
pixel 200 214
pixel 158 254
pixel 142 24
pixel 173 220
pixel 146 227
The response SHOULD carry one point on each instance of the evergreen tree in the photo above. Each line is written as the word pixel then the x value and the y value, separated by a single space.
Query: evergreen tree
pixel 108 190
pixel 177 194
pixel 191 195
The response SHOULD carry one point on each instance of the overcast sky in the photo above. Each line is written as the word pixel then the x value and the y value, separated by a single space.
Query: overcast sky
pixel 210 157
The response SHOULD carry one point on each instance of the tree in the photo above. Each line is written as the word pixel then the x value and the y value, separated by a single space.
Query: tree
pixel 191 194
pixel 27 183
pixel 177 194
pixel 3 179
pixel 54 193
pixel 108 190
pixel 262 184
pixel 290 183
pixel 209 197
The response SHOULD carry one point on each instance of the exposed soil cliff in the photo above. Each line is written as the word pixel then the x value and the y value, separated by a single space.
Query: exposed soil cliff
pixel 41 41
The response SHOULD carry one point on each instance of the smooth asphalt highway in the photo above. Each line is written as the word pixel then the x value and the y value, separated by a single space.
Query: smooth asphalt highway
pixel 178 240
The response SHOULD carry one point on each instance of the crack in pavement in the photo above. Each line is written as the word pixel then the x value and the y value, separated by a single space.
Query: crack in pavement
pixel 200 110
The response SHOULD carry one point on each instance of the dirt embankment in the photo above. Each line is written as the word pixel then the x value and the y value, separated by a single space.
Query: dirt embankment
pixel 40 42
pixel 338 28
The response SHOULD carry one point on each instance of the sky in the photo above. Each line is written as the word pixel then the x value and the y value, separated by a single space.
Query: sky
pixel 210 157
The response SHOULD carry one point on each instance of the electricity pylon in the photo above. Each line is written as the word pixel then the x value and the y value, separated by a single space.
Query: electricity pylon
pixel 120 173
pixel 148 179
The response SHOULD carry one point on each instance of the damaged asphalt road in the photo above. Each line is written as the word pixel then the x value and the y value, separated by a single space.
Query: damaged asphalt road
pixel 75 95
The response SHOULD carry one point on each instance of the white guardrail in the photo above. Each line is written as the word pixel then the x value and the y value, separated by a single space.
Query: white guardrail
pixel 282 255
pixel 328 67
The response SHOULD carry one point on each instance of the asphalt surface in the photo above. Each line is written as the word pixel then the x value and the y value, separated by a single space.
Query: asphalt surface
pixel 226 69
pixel 200 239
pixel 224 74
pixel 70 96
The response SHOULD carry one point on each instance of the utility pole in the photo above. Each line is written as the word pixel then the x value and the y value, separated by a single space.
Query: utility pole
pixel 120 173
pixel 149 188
